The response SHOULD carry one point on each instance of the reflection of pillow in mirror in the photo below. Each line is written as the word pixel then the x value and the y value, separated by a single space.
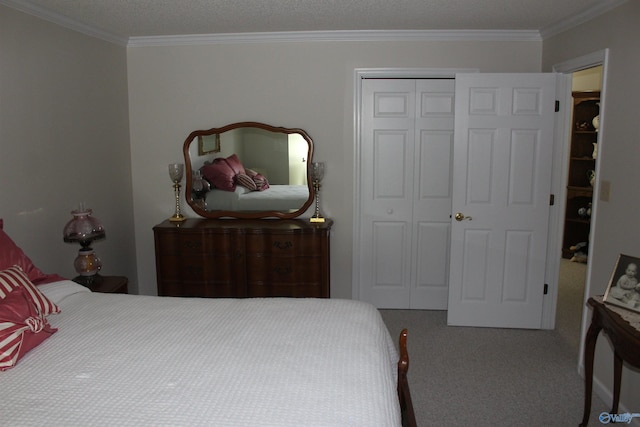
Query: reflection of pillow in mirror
pixel 246 181
pixel 220 175
pixel 234 163
pixel 259 179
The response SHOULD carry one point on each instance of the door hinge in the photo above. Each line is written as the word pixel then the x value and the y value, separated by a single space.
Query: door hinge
pixel 557 105
pixel 546 289
pixel 552 199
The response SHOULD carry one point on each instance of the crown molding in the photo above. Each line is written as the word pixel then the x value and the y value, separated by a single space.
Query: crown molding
pixel 63 21
pixel 581 18
pixel 329 36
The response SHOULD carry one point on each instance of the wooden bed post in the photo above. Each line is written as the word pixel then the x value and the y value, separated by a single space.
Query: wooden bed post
pixel 404 395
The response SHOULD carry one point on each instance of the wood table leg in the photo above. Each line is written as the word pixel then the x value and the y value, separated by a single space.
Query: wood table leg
pixel 617 375
pixel 589 351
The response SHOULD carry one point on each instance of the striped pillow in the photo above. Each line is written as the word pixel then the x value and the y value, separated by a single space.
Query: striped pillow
pixel 22 328
pixel 246 181
pixel 259 179
pixel 13 278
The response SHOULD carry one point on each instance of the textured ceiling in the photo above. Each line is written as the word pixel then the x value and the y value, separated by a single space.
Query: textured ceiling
pixel 135 18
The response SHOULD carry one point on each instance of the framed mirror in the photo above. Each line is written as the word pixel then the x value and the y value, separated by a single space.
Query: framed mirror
pixel 248 170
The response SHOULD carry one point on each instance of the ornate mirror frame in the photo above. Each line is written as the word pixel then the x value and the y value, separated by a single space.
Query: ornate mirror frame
pixel 197 136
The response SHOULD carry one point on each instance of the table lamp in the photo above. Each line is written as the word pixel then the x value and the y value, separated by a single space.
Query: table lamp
pixel 84 229
pixel 176 171
pixel 317 175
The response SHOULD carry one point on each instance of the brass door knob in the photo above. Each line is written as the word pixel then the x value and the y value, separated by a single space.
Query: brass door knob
pixel 460 216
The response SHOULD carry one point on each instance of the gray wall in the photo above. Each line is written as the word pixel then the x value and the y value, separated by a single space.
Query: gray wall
pixel 308 85
pixel 616 227
pixel 64 139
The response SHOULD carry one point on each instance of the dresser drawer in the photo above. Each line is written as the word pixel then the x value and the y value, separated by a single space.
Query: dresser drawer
pixel 279 269
pixel 284 244
pixel 194 243
pixel 195 268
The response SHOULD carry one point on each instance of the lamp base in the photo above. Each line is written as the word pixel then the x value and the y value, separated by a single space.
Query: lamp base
pixel 316 219
pixel 177 218
pixel 87 263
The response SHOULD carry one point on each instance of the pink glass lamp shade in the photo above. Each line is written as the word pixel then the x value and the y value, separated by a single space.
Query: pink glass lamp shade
pixel 84 229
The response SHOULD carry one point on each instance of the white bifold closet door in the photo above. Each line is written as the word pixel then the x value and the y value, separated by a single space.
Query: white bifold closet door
pixel 405 206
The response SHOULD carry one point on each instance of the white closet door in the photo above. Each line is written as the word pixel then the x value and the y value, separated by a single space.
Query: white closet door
pixel 406 149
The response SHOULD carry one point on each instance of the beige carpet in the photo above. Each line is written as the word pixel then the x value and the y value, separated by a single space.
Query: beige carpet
pixel 464 376
pixel 570 301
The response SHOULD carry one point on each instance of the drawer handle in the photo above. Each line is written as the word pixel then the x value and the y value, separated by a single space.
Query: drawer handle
pixel 283 270
pixel 282 245
pixel 192 245
pixel 194 270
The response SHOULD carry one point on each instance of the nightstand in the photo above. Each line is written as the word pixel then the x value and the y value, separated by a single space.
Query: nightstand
pixel 105 284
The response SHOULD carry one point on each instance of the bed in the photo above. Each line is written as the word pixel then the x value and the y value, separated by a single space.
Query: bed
pixel 274 198
pixel 132 360
pixel 142 360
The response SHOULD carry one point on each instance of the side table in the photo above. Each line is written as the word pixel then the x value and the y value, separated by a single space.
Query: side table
pixel 105 284
pixel 623 328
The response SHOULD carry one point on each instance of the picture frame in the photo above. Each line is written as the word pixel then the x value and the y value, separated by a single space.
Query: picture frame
pixel 624 289
pixel 208 144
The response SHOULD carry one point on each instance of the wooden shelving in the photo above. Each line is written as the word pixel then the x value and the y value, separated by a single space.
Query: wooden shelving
pixel 581 161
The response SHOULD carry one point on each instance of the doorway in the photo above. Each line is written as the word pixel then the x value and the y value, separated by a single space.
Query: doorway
pixel 568 68
pixel 586 85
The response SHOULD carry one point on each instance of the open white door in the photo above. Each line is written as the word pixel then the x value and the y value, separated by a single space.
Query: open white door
pixel 504 136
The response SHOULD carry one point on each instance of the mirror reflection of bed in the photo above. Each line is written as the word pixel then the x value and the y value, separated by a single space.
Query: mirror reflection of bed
pixel 284 198
pixel 273 165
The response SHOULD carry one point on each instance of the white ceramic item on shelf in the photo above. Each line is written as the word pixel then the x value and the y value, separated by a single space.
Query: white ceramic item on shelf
pixel 595 150
pixel 591 175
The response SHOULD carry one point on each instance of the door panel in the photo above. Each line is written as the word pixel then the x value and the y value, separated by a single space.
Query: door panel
pixel 431 289
pixel 386 197
pixel 501 184
pixel 390 170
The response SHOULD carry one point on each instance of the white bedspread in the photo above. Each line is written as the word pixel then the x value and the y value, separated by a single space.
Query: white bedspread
pixel 125 360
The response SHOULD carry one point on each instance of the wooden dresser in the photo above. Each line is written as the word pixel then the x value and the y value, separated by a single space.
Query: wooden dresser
pixel 242 258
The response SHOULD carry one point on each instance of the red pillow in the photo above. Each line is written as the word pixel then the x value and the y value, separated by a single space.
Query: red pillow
pixel 14 278
pixel 221 172
pixel 234 163
pixel 220 175
pixel 22 328
pixel 11 254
